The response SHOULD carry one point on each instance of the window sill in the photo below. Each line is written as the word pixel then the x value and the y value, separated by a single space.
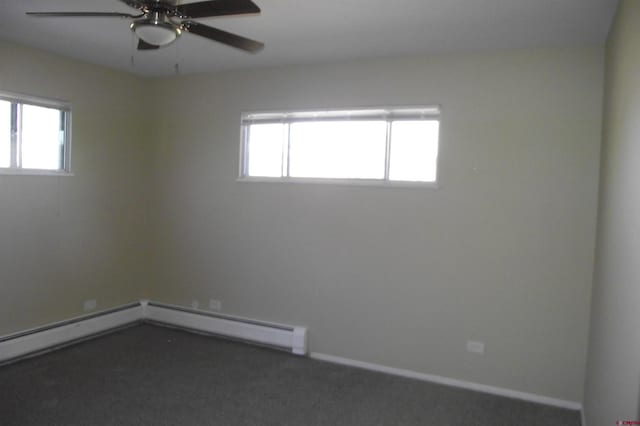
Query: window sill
pixel 33 172
pixel 348 182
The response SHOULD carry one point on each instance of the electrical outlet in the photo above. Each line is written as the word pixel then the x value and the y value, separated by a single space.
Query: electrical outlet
pixel 475 347
pixel 195 304
pixel 89 305
pixel 215 305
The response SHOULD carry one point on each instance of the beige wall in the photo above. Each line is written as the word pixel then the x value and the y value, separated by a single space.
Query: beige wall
pixel 502 252
pixel 613 373
pixel 64 240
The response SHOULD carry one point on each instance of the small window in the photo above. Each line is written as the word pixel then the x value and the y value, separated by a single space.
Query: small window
pixel 366 145
pixel 34 135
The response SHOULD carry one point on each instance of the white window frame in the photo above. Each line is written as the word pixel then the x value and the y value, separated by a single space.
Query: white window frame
pixel 17 100
pixel 388 114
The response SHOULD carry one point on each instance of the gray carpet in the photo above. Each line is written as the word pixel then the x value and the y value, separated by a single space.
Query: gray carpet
pixel 149 375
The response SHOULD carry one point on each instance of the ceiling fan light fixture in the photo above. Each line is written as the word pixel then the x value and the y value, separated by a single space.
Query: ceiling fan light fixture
pixel 156 30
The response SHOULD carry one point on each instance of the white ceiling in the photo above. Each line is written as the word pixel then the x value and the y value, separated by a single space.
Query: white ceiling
pixel 314 31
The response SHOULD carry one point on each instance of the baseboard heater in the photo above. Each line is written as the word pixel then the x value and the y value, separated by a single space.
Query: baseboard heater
pixel 62 333
pixel 282 336
pixel 52 336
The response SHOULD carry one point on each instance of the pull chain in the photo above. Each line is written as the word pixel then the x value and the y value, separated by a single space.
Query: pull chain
pixel 177 64
pixel 133 47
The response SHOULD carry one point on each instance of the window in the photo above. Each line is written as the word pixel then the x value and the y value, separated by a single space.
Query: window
pixel 365 145
pixel 34 135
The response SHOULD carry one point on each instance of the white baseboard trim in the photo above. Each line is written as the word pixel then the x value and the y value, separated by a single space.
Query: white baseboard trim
pixel 494 390
pixel 288 337
pixel 31 341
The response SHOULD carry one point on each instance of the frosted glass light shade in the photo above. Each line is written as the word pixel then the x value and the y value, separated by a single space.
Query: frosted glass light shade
pixel 157 35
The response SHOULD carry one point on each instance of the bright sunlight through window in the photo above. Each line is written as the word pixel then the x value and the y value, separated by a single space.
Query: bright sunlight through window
pixel 34 134
pixel 5 133
pixel 370 145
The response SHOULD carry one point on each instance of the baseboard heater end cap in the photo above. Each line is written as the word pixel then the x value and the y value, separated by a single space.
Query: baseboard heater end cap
pixel 299 341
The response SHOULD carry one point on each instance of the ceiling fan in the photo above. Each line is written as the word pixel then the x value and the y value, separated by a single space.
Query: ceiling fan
pixel 161 22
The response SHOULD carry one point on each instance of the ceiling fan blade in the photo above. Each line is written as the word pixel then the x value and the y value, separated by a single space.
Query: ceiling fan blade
pixel 205 9
pixel 143 45
pixel 224 37
pixel 84 14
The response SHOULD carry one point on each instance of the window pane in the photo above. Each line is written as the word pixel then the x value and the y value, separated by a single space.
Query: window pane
pixel 338 149
pixel 5 134
pixel 265 150
pixel 414 150
pixel 41 138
